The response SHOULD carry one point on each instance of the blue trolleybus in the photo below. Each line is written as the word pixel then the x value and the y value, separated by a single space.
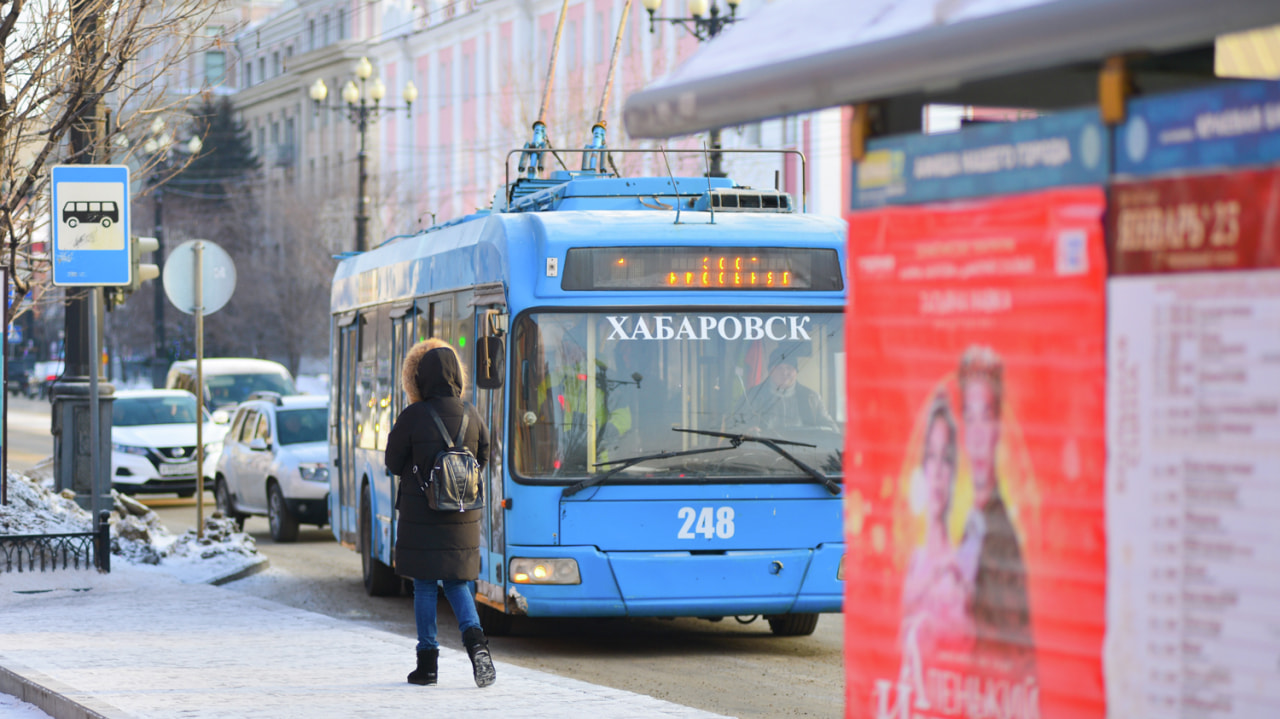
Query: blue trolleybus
pixel 661 365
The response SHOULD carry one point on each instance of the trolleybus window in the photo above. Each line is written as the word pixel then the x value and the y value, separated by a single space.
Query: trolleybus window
pixel 590 388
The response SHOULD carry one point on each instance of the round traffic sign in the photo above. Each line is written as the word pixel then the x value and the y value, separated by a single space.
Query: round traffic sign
pixel 218 277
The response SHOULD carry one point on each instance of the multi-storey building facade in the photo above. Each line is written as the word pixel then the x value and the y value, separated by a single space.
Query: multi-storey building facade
pixel 480 68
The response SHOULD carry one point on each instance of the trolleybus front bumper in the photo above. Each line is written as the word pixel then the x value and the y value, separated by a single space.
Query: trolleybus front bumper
pixel 683 583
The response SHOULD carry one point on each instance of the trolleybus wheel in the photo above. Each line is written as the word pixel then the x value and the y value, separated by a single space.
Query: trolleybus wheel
pixel 494 622
pixel 284 527
pixel 379 580
pixel 792 625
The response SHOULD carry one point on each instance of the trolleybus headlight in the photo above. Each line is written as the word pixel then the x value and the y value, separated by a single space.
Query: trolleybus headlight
pixel 544 571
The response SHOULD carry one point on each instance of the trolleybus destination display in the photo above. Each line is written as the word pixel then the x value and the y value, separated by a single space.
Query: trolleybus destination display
pixel 694 268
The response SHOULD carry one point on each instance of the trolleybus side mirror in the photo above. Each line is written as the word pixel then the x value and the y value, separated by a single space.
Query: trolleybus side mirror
pixel 490 359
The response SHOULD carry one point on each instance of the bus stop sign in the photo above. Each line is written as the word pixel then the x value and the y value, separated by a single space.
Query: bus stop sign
pixel 91 225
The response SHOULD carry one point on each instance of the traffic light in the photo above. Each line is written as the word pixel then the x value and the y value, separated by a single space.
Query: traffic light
pixel 140 272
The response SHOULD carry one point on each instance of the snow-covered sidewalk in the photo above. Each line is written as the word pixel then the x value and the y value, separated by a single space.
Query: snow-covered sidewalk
pixel 156 638
pixel 141 643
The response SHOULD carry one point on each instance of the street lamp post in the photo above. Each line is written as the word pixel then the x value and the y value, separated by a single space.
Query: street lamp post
pixel 160 146
pixel 361 113
pixel 704 23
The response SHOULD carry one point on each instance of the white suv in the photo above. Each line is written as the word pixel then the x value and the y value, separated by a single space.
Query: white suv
pixel 153 441
pixel 275 461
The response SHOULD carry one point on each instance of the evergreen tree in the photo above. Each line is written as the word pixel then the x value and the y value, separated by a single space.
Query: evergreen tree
pixel 226 156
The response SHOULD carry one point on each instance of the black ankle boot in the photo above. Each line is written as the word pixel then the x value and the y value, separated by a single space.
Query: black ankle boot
pixel 426 672
pixel 481 663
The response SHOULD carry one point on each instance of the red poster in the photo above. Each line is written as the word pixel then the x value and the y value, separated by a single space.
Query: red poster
pixel 1196 223
pixel 976 568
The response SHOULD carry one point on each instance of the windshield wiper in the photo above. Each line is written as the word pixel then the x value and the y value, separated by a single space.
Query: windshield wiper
pixel 624 464
pixel 736 439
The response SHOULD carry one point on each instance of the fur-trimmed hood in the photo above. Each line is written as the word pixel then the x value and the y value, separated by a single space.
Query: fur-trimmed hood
pixel 431 369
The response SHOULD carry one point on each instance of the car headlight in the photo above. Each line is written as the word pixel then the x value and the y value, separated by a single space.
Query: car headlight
pixel 544 571
pixel 129 449
pixel 314 471
pixel 212 448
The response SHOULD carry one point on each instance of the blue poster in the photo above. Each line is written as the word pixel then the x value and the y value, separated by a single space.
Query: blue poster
pixel 1069 148
pixel 1223 126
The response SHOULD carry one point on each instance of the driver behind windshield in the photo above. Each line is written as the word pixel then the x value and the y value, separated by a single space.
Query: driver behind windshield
pixel 780 401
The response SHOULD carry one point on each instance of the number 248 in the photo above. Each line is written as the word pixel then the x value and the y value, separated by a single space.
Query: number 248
pixel 717 522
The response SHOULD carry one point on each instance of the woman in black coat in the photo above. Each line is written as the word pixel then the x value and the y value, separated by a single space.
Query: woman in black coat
pixel 434 546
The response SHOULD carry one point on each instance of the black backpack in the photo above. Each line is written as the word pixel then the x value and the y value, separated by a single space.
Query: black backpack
pixel 454 482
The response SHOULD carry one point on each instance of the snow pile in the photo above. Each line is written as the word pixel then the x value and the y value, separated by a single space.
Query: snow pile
pixel 137 536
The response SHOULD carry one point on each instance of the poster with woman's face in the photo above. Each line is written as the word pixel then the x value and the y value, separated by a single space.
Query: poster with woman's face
pixel 974 465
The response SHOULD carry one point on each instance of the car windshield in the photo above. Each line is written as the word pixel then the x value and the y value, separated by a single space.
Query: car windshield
pixel 595 388
pixel 296 426
pixel 139 411
pixel 227 389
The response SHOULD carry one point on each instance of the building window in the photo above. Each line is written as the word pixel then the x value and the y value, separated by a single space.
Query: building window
pixel 571 52
pixel 262 69
pixel 215 67
pixel 275 64
pixel 324 26
pixel 311 34
pixel 468 76
pixel 342 24
pixel 446 84
pixel 248 74
pixel 602 32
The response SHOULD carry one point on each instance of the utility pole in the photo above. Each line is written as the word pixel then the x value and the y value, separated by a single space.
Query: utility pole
pixel 159 362
pixel 73 463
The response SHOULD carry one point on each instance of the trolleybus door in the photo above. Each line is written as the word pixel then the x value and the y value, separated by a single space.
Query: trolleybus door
pixel 402 340
pixel 489 402
pixel 348 489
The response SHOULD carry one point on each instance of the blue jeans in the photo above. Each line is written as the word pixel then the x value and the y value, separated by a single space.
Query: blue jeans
pixel 459 594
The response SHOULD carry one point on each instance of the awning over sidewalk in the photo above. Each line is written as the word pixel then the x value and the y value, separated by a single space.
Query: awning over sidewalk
pixel 802 55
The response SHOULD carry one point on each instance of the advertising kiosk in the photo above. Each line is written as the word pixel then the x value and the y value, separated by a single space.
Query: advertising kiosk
pixel 1063 459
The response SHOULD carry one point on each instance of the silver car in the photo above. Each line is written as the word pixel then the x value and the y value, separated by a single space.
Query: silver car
pixel 275 462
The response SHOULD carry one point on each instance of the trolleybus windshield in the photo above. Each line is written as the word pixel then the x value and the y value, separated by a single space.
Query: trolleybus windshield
pixel 594 387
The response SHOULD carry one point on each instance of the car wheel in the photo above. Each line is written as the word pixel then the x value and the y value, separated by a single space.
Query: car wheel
pixel 792 625
pixel 106 222
pixel 186 494
pixel 222 496
pixel 284 527
pixel 379 579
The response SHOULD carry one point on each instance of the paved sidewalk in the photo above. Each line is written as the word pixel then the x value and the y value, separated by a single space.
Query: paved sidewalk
pixel 140 643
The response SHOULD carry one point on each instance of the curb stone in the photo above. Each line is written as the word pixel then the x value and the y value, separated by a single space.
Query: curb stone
pixel 51 696
pixel 241 573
